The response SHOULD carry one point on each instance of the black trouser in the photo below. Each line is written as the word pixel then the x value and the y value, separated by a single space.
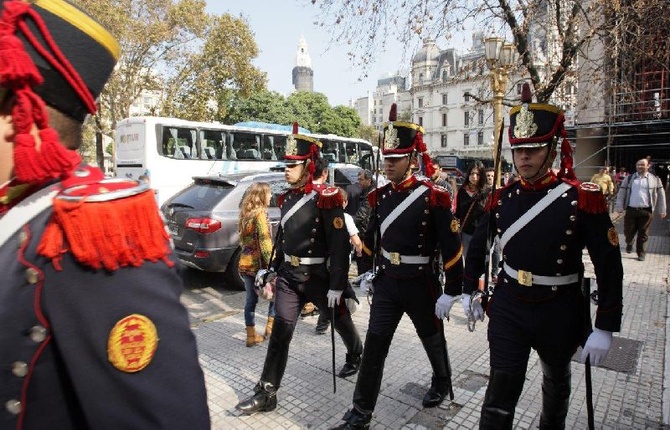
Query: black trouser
pixel 637 222
pixel 520 318
pixel 392 298
pixel 294 289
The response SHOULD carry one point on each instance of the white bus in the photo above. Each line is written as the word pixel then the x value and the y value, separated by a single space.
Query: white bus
pixel 171 151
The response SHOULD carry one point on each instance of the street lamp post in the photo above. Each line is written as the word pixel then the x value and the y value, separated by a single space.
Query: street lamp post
pixel 500 56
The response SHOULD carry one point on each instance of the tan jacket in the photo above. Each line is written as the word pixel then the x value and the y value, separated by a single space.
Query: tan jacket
pixel 605 182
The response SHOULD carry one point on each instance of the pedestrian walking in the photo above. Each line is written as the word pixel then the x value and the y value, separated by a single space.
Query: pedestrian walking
pixel 311 265
pixel 640 195
pixel 93 332
pixel 543 222
pixel 470 202
pixel 604 181
pixel 256 245
pixel 413 223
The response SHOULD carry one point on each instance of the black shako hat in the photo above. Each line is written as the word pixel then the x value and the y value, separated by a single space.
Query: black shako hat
pixel 533 125
pixel 401 138
pixel 300 148
pixel 88 46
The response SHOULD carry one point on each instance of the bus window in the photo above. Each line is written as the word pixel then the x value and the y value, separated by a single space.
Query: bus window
pixel 212 144
pixel 178 142
pixel 351 149
pixel 279 143
pixel 246 145
pixel 268 149
pixel 331 152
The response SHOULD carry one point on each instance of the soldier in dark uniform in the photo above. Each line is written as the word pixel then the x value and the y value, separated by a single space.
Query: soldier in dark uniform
pixel 412 221
pixel 93 333
pixel 537 301
pixel 312 265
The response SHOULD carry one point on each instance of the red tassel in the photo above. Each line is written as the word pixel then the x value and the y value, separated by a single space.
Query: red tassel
pixel 101 235
pixel 16 67
pixel 330 198
pixel 439 197
pixel 393 113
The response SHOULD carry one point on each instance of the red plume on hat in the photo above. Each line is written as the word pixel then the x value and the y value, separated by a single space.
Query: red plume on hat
pixel 393 113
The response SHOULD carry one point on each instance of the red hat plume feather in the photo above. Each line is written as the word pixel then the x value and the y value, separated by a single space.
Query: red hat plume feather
pixel 526 95
pixel 393 114
pixel 295 127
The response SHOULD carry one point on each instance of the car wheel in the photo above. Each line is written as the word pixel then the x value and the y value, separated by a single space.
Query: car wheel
pixel 231 276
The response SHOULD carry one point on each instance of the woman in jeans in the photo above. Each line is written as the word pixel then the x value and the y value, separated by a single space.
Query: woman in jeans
pixel 256 243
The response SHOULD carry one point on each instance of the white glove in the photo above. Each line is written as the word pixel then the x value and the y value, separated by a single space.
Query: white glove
pixel 333 298
pixel 443 306
pixel 477 310
pixel 366 281
pixel 597 346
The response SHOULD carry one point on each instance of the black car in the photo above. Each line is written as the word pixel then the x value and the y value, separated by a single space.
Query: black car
pixel 202 221
pixel 202 218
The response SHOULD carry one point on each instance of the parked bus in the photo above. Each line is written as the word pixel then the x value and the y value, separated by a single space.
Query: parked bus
pixel 171 151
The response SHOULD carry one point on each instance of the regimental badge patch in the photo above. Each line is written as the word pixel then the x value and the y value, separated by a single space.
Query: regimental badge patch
pixel 613 236
pixel 132 343
pixel 454 225
pixel 338 222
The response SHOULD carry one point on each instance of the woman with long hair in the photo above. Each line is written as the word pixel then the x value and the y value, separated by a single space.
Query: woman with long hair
pixel 470 202
pixel 256 243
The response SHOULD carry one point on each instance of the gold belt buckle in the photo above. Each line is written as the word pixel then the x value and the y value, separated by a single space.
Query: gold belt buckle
pixel 295 261
pixel 524 278
pixel 395 258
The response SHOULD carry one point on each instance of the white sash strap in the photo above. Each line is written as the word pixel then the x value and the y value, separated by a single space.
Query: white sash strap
pixel 300 203
pixel 401 207
pixel 25 211
pixel 532 213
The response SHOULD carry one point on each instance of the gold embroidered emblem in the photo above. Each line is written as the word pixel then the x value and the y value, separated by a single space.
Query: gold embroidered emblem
pixel 291 146
pixel 525 123
pixel 613 236
pixel 391 140
pixel 132 343
pixel 338 222
pixel 454 225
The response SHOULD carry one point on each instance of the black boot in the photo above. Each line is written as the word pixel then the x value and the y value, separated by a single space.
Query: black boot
pixel 501 398
pixel 440 386
pixel 350 366
pixel 354 420
pixel 555 396
pixel 263 400
pixel 371 371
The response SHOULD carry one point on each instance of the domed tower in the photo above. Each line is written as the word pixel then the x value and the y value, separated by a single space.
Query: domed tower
pixel 425 62
pixel 303 75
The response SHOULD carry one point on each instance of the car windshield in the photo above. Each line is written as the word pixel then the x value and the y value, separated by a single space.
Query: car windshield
pixel 203 195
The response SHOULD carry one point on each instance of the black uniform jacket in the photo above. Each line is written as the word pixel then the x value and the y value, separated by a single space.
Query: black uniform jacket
pixel 552 243
pixel 315 230
pixel 83 348
pixel 425 228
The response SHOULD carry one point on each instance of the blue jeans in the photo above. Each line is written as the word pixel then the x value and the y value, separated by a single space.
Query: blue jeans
pixel 251 301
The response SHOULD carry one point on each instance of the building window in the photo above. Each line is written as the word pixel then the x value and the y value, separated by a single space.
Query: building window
pixel 466 119
pixel 480 117
pixel 443 141
pixel 518 88
pixel 466 96
pixel 444 120
pixel 444 99
pixel 480 138
pixel 466 139
pixel 421 121
pixel 420 102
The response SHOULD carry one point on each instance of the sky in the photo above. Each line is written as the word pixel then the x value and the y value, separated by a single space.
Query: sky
pixel 277 26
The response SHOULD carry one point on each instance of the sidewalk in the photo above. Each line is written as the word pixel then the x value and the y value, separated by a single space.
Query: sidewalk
pixel 627 395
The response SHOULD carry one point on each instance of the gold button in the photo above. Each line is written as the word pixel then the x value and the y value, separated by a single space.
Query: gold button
pixel 32 275
pixel 20 368
pixel 572 217
pixel 573 203
pixel 38 334
pixel 563 247
pixel 568 232
pixel 13 406
pixel 559 261
pixel 23 237
pixel 309 251
pixel 312 240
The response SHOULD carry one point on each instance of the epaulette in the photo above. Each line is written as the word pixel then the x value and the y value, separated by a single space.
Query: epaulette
pixel 330 197
pixel 281 198
pixel 439 196
pixel 493 198
pixel 106 223
pixel 590 197
pixel 372 195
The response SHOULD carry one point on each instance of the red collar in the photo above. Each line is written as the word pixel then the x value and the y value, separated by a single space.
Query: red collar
pixel 542 183
pixel 405 184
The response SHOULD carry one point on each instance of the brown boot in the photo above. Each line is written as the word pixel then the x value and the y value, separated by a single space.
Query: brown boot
pixel 268 327
pixel 252 337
